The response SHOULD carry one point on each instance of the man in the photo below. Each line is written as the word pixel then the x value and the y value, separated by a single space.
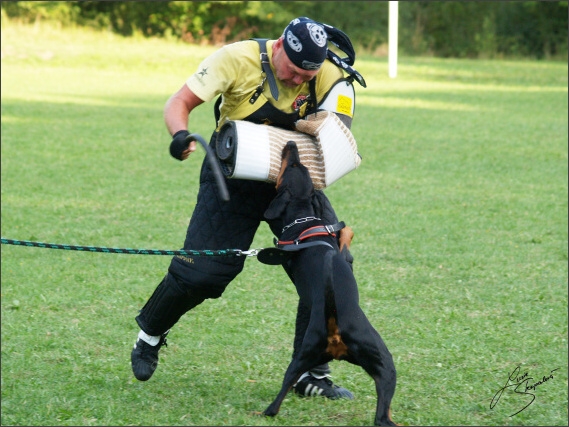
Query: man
pixel 299 77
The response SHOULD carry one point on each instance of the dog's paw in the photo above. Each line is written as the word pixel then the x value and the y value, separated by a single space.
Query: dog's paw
pixel 270 412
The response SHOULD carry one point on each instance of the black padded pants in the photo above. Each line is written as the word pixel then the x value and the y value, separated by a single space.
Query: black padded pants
pixel 216 224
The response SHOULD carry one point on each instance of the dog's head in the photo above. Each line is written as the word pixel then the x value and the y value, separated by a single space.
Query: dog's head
pixel 294 185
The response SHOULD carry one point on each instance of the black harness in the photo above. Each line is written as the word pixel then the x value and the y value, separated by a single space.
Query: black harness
pixel 317 230
pixel 284 249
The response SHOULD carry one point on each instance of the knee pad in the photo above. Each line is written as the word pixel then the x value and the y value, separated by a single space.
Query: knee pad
pixel 166 305
pixel 205 275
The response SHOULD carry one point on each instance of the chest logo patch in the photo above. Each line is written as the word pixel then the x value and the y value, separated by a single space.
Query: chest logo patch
pixel 299 102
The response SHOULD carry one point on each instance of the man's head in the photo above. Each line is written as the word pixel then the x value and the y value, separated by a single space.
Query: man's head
pixel 305 43
pixel 300 51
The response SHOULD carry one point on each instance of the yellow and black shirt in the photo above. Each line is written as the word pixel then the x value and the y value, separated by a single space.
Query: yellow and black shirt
pixel 235 71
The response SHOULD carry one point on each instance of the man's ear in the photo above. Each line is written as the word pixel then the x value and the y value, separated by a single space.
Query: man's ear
pixel 278 205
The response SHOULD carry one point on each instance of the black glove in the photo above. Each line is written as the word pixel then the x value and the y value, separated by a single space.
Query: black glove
pixel 179 144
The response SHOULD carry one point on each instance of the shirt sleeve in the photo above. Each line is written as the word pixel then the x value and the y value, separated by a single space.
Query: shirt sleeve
pixel 214 75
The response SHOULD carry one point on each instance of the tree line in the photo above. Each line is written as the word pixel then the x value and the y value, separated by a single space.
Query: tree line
pixel 489 29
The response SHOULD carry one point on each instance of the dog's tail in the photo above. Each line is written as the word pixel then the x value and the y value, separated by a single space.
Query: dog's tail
pixel 330 297
pixel 336 346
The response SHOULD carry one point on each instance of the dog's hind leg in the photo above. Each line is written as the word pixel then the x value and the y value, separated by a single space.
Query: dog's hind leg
pixel 379 366
pixel 372 355
pixel 384 396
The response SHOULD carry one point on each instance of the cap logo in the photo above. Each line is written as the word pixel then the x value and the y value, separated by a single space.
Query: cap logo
pixel 317 34
pixel 293 41
pixel 308 65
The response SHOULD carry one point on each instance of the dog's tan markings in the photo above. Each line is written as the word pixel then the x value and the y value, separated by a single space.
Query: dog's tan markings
pixel 336 346
pixel 391 419
pixel 284 164
pixel 346 236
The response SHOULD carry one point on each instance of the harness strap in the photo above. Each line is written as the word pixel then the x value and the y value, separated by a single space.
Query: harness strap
pixel 313 100
pixel 339 62
pixel 299 246
pixel 276 256
pixel 318 230
pixel 266 67
pixel 284 249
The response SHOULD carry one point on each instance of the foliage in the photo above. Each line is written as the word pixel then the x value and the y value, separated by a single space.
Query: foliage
pixel 469 29
pixel 447 29
pixel 459 210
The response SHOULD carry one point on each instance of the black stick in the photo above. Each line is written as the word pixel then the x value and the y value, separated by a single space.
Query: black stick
pixel 220 179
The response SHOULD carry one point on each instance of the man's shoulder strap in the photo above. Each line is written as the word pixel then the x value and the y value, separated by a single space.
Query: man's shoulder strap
pixel 266 67
pixel 342 42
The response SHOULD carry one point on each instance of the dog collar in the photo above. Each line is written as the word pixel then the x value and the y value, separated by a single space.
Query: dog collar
pixel 299 221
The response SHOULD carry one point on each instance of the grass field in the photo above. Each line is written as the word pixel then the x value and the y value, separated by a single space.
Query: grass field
pixel 459 210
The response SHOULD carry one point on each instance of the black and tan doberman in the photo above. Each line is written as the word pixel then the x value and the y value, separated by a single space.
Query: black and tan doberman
pixel 338 328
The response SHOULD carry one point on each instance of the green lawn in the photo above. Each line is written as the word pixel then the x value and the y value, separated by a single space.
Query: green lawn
pixel 459 210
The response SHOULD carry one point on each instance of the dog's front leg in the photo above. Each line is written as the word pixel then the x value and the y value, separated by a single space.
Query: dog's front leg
pixel 307 358
pixel 291 377
pixel 295 369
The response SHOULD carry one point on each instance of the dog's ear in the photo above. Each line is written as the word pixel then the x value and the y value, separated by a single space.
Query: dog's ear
pixel 278 205
pixel 317 203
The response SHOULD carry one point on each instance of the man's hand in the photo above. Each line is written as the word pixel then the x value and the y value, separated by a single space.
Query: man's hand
pixel 179 147
pixel 312 124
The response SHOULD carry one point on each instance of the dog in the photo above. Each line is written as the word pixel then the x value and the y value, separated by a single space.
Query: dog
pixel 338 328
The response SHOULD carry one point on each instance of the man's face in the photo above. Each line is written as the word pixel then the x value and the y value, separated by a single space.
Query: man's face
pixel 288 73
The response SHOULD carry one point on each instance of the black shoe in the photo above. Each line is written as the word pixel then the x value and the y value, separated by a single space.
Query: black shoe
pixel 144 358
pixel 311 386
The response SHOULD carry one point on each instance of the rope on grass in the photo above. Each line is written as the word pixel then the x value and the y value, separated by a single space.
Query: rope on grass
pixel 130 251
